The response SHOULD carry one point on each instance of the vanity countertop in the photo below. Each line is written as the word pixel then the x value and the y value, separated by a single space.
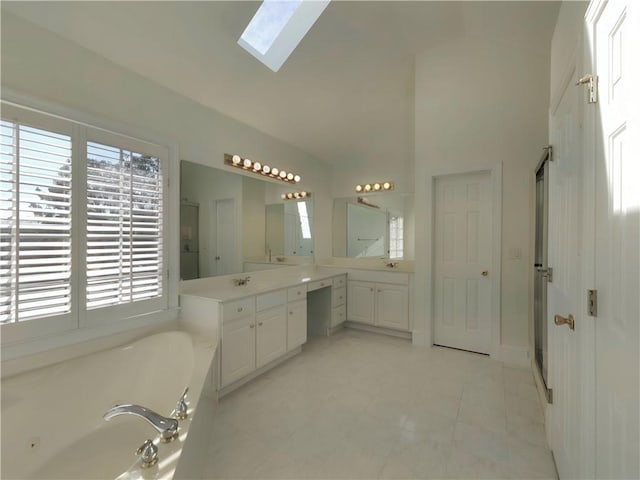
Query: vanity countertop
pixel 222 289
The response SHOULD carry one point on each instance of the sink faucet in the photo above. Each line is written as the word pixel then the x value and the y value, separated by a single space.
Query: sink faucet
pixel 391 264
pixel 241 281
pixel 166 427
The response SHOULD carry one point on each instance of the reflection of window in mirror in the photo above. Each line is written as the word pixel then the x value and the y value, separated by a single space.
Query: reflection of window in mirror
pixel 396 236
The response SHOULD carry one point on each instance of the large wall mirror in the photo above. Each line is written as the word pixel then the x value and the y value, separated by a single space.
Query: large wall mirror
pixel 374 226
pixel 228 220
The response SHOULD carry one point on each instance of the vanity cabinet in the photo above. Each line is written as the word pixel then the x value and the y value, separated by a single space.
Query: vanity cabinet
pixel 271 335
pixel 338 301
pixel 238 351
pixel 379 304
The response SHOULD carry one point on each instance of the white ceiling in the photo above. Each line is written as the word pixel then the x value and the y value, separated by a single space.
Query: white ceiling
pixel 344 95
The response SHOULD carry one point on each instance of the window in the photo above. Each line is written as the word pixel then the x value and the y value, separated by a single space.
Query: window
pixel 396 236
pixel 35 210
pixel 124 226
pixel 278 27
pixel 82 234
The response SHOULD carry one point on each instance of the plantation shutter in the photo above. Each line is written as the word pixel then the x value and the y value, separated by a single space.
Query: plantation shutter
pixel 35 216
pixel 124 226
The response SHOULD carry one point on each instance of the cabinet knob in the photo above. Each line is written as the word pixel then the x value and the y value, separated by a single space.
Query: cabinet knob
pixel 259 324
pixel 379 291
pixel 340 297
pixel 251 325
pixel 299 293
pixel 239 309
pixel 371 289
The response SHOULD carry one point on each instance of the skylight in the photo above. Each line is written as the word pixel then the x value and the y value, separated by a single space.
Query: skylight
pixel 278 27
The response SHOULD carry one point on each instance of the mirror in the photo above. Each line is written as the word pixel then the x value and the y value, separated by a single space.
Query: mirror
pixel 377 225
pixel 228 220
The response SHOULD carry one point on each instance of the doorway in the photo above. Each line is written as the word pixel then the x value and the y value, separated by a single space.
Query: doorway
pixel 541 267
pixel 462 259
pixel 224 237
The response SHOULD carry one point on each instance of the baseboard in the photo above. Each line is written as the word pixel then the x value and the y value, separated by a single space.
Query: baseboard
pixel 419 338
pixel 256 373
pixel 512 355
pixel 374 329
pixel 337 328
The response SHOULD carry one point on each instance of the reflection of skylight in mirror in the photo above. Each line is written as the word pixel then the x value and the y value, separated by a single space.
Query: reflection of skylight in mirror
pixel 304 220
pixel 268 22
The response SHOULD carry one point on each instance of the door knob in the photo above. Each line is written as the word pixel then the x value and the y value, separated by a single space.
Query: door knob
pixel 485 273
pixel 560 320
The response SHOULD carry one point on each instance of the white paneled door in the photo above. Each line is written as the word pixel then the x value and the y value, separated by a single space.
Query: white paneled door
pixel 614 28
pixel 565 289
pixel 225 237
pixel 462 276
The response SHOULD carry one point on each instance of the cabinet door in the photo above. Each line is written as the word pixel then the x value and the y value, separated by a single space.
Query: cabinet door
pixel 360 302
pixel 238 349
pixel 392 302
pixel 271 335
pixel 296 324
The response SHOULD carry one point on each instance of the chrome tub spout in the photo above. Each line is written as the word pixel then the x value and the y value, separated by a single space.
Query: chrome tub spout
pixel 166 427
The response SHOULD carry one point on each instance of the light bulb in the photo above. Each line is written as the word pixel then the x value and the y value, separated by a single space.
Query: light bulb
pixel 274 171
pixel 376 186
pixel 236 159
pixel 297 178
pixel 358 188
pixel 303 194
pixel 289 195
pixel 367 187
pixel 289 176
pixel 266 169
pixel 257 166
pixel 296 194
pixel 283 196
pixel 247 162
pixel 283 174
pixel 386 185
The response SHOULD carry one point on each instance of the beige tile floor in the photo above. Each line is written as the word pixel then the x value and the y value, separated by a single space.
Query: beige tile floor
pixel 361 405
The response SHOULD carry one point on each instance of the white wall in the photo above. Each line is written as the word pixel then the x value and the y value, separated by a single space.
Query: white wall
pixel 41 64
pixel 480 101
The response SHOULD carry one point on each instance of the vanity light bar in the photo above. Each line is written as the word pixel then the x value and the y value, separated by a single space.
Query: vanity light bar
pixel 295 195
pixel 375 187
pixel 260 169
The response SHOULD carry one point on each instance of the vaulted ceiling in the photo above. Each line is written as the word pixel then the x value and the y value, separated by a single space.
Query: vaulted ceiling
pixel 344 95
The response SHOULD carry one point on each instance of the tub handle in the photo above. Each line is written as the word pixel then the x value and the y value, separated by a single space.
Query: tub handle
pixel 180 412
pixel 149 454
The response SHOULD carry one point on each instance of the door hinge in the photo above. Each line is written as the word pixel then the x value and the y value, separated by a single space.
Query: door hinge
pixel 591 81
pixel 550 395
pixel 592 303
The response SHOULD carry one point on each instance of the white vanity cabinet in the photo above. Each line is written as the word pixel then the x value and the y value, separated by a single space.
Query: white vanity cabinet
pixel 271 335
pixel 383 303
pixel 296 317
pixel 238 351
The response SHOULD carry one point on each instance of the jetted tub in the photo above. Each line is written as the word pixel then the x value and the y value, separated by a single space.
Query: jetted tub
pixel 52 417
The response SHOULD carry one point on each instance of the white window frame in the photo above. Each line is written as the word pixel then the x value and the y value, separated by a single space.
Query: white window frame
pixel 79 324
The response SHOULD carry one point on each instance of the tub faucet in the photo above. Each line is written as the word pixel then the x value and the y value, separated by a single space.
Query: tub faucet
pixel 166 427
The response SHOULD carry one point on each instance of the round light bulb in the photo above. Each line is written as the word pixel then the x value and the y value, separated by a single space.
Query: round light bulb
pixel 266 169
pixel 358 188
pixel 289 195
pixel 236 159
pixel 247 162
pixel 376 186
pixel 303 194
pixel 274 171
pixel 386 185
pixel 289 176
pixel 367 187
pixel 283 196
pixel 297 178
pixel 296 194
pixel 283 174
pixel 257 166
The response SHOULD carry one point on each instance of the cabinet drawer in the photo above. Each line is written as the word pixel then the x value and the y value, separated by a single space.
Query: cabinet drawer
pixel 338 315
pixel 270 300
pixel 340 281
pixel 238 309
pixel 339 296
pixel 297 293
pixel 319 284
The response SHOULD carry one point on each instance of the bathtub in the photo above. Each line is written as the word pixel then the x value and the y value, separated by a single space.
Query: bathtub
pixel 52 417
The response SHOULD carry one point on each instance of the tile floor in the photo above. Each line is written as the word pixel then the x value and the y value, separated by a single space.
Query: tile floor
pixel 361 405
